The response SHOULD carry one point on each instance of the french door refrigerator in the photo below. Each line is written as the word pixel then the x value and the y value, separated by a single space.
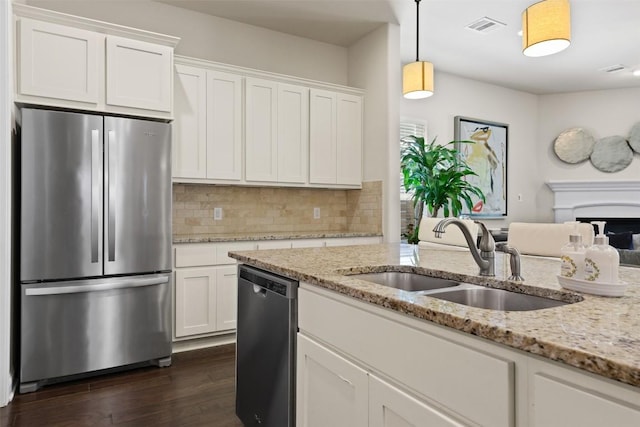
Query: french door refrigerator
pixel 95 244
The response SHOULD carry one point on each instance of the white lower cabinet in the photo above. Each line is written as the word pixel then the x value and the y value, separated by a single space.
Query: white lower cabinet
pixel 226 297
pixel 559 402
pixel 422 374
pixel 205 300
pixel 392 407
pixel 206 288
pixel 331 391
pixel 195 301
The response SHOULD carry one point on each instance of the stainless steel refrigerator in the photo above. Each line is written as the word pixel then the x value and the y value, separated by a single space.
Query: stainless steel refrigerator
pixel 95 244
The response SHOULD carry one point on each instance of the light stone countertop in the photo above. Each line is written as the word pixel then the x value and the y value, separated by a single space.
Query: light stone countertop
pixel 289 235
pixel 599 334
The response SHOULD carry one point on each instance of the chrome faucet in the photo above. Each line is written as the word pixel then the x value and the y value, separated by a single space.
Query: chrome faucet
pixel 485 257
pixel 514 260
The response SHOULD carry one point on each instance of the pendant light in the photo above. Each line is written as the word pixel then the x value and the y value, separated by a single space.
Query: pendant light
pixel 417 77
pixel 546 28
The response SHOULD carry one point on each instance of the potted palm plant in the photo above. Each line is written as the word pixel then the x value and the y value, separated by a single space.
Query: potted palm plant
pixel 435 175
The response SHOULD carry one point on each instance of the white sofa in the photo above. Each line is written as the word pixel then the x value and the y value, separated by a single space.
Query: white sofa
pixel 452 238
pixel 545 239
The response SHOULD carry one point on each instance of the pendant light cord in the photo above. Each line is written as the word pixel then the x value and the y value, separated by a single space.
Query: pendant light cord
pixel 417 30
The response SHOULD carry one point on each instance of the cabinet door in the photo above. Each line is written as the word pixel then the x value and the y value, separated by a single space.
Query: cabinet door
pixel 195 301
pixel 322 137
pixel 391 407
pixel 555 402
pixel 261 130
pixel 227 297
pixel 349 140
pixel 331 391
pixel 139 74
pixel 293 133
pixel 59 62
pixel 224 126
pixel 190 125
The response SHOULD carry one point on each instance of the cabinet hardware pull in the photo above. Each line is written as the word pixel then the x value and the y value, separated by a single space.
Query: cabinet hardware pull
pixel 345 380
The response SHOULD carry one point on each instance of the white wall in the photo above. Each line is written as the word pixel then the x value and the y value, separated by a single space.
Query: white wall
pixel 373 66
pixel 208 37
pixel 603 113
pixel 6 100
pixel 456 96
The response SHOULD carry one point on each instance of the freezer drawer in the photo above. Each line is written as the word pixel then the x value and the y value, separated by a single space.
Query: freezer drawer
pixel 81 326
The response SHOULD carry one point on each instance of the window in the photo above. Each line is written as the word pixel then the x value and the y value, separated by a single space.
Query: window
pixel 410 127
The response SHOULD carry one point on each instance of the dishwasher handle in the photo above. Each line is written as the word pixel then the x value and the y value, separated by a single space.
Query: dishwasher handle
pixel 259 290
pixel 88 286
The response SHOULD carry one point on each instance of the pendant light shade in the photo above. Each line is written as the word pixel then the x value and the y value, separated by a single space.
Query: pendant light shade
pixel 417 80
pixel 417 77
pixel 546 28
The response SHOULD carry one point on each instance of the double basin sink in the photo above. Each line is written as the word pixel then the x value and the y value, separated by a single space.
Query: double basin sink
pixel 460 292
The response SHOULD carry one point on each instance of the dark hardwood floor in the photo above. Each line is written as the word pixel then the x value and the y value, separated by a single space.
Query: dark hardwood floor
pixel 197 390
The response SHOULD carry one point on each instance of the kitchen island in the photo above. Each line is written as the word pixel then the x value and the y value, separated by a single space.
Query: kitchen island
pixel 591 335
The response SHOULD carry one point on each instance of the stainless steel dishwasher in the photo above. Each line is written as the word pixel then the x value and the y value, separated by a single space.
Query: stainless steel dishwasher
pixel 265 348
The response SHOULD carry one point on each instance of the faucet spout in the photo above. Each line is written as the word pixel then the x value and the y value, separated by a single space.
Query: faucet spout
pixel 485 256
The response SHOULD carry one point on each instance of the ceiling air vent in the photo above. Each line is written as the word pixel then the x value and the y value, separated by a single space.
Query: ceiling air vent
pixel 613 68
pixel 485 25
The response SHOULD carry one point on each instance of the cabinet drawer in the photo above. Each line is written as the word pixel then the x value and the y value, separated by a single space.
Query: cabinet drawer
pixel 556 403
pixel 195 255
pixel 456 376
pixel 274 244
pixel 223 249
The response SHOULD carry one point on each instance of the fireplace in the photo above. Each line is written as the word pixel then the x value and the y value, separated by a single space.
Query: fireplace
pixel 596 199
pixel 616 225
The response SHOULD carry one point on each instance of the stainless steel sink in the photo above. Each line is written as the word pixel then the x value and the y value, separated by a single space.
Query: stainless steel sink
pixel 497 299
pixel 411 282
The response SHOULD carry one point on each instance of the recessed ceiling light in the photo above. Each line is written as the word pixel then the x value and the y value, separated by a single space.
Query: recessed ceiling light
pixel 520 33
pixel 636 72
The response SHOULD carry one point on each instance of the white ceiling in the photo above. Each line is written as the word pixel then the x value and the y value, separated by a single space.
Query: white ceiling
pixel 604 33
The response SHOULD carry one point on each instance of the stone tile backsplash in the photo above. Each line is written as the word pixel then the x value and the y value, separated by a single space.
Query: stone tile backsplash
pixel 274 210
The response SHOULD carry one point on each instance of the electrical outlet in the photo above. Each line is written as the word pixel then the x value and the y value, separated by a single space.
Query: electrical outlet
pixel 316 213
pixel 217 214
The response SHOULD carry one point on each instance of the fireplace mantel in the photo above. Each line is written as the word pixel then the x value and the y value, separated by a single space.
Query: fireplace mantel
pixel 602 198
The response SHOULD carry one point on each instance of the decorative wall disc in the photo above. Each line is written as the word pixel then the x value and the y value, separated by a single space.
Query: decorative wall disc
pixel 574 145
pixel 634 137
pixel 611 154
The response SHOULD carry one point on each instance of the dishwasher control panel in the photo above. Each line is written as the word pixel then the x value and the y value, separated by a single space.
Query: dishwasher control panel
pixel 269 281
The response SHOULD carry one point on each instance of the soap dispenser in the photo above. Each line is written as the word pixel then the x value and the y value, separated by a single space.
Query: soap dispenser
pixel 572 255
pixel 601 261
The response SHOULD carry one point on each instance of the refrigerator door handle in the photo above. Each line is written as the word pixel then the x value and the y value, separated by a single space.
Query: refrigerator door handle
pixel 87 286
pixel 111 194
pixel 95 194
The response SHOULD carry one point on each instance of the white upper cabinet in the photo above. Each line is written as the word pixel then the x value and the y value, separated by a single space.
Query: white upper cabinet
pixel 293 133
pixel 261 130
pixel 277 132
pixel 264 129
pixel 59 62
pixel 349 139
pixel 139 74
pixel 335 138
pixel 74 62
pixel 190 125
pixel 322 137
pixel 224 126
pixel 207 133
